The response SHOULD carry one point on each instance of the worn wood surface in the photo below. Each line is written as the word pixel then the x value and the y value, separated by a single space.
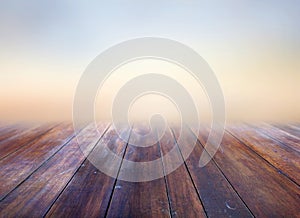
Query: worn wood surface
pixel 289 129
pixel 259 184
pixel 44 172
pixel 279 155
pixel 218 196
pixel 183 197
pixel 140 199
pixel 21 137
pixel 88 193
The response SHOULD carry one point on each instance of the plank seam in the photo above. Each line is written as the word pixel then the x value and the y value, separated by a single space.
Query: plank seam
pixel 165 179
pixel 72 177
pixel 284 131
pixel 67 141
pixel 116 179
pixel 30 142
pixel 225 177
pixel 261 157
pixel 277 140
pixel 198 193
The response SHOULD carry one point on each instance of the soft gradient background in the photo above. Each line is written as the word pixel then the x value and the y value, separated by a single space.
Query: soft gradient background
pixel 253 47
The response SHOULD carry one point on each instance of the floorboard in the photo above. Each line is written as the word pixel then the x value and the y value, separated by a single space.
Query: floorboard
pixel 282 157
pixel 183 197
pixel 16 167
pixel 280 136
pixel 34 196
pixel 142 199
pixel 217 194
pixel 264 189
pixel 44 172
pixel 79 198
pixel 289 129
pixel 22 138
pixel 11 130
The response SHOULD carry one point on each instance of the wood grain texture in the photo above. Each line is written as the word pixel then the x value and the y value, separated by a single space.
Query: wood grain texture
pixel 46 174
pixel 88 194
pixel 34 196
pixel 217 194
pixel 16 167
pixel 142 199
pixel 285 159
pixel 8 131
pixel 22 138
pixel 183 197
pixel 263 188
pixel 280 136
pixel 290 129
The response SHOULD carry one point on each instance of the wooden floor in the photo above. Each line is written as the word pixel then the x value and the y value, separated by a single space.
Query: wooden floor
pixel 255 173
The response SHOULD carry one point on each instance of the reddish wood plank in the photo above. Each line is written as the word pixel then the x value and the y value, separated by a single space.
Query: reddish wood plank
pixel 20 164
pixel 35 195
pixel 183 197
pixel 266 191
pixel 142 199
pixel 280 156
pixel 217 194
pixel 88 194
pixel 280 136
pixel 23 138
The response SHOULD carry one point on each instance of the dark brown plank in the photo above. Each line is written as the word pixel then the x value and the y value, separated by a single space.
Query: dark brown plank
pixel 290 129
pixel 16 167
pixel 217 194
pixel 140 199
pixel 35 195
pixel 280 156
pixel 266 191
pixel 23 138
pixel 183 197
pixel 88 194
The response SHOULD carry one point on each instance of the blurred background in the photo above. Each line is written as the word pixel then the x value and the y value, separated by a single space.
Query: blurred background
pixel 252 46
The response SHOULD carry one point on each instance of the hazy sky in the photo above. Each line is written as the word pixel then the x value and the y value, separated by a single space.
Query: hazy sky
pixel 253 47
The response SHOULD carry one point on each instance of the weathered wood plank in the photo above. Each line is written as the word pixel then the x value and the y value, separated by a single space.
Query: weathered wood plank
pixel 280 136
pixel 280 156
pixel 142 199
pixel 88 194
pixel 217 194
pixel 266 191
pixel 11 130
pixel 16 167
pixel 35 195
pixel 23 138
pixel 183 198
pixel 290 129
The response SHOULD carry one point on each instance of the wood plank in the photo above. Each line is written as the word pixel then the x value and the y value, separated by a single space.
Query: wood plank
pixel 23 138
pixel 266 191
pixel 140 199
pixel 217 194
pixel 89 192
pixel 290 129
pixel 16 167
pixel 280 136
pixel 11 130
pixel 34 196
pixel 285 159
pixel 183 197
